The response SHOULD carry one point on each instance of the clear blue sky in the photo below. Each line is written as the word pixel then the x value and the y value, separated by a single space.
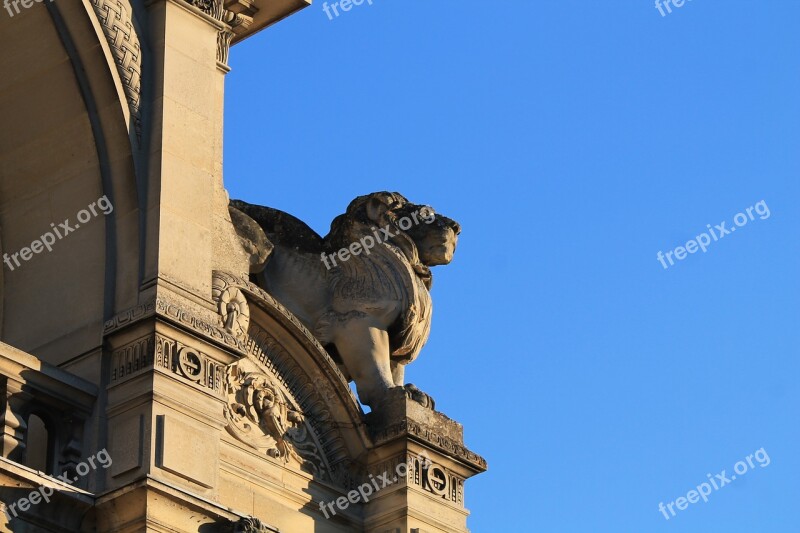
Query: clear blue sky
pixel 573 141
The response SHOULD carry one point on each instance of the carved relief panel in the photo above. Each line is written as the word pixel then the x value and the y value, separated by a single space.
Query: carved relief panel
pixel 263 417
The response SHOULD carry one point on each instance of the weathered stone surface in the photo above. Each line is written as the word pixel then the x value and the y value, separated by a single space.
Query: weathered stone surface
pixel 402 417
pixel 252 239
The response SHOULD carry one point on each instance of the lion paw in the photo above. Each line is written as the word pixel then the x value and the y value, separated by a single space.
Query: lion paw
pixel 418 396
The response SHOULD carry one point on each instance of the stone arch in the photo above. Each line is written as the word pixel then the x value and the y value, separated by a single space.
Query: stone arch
pixel 60 151
pixel 282 347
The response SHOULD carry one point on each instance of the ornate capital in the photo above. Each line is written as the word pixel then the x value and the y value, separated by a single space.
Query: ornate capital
pixel 237 14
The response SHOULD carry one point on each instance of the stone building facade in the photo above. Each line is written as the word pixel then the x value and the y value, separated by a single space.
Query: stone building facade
pixel 151 381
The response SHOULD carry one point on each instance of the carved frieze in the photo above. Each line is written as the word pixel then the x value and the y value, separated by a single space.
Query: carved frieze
pixel 130 316
pixel 158 351
pixel 173 312
pixel 132 358
pixel 189 363
pixel 420 471
pixel 436 479
pixel 311 391
pixel 264 348
pixel 185 317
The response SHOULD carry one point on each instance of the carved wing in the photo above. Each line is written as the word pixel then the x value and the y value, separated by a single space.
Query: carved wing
pixel 282 228
pixel 295 261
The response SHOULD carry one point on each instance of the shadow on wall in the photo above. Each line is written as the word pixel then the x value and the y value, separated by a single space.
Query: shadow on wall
pixel 2 285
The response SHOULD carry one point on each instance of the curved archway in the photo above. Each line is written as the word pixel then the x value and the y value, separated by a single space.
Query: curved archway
pixel 60 153
pixel 283 349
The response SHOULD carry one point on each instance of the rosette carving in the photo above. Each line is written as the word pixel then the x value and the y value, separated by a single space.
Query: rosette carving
pixel 234 311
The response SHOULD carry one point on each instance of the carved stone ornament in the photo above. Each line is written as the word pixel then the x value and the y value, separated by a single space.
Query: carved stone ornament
pixel 234 311
pixel 123 39
pixel 363 289
pixel 237 20
pixel 250 525
pixel 260 415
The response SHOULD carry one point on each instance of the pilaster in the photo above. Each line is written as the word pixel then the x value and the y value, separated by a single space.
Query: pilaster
pixel 431 447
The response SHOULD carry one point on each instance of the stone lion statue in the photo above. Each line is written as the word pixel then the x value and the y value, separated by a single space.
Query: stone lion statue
pixel 363 289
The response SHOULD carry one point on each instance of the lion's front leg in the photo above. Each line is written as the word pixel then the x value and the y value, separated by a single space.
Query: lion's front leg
pixel 398 373
pixel 363 344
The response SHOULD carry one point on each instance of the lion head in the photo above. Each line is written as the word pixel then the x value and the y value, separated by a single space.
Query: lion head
pixel 425 237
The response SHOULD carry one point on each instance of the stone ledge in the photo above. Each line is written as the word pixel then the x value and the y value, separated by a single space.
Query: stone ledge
pixel 402 417
pixel 267 13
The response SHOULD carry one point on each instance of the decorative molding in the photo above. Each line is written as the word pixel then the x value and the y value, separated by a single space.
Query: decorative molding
pixel 173 312
pixel 224 39
pixel 165 309
pixel 423 473
pixel 132 359
pixel 311 391
pixel 237 21
pixel 158 351
pixel 189 363
pixel 436 479
pixel 222 281
pixel 120 31
pixel 429 436
pixel 130 316
pixel 265 350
